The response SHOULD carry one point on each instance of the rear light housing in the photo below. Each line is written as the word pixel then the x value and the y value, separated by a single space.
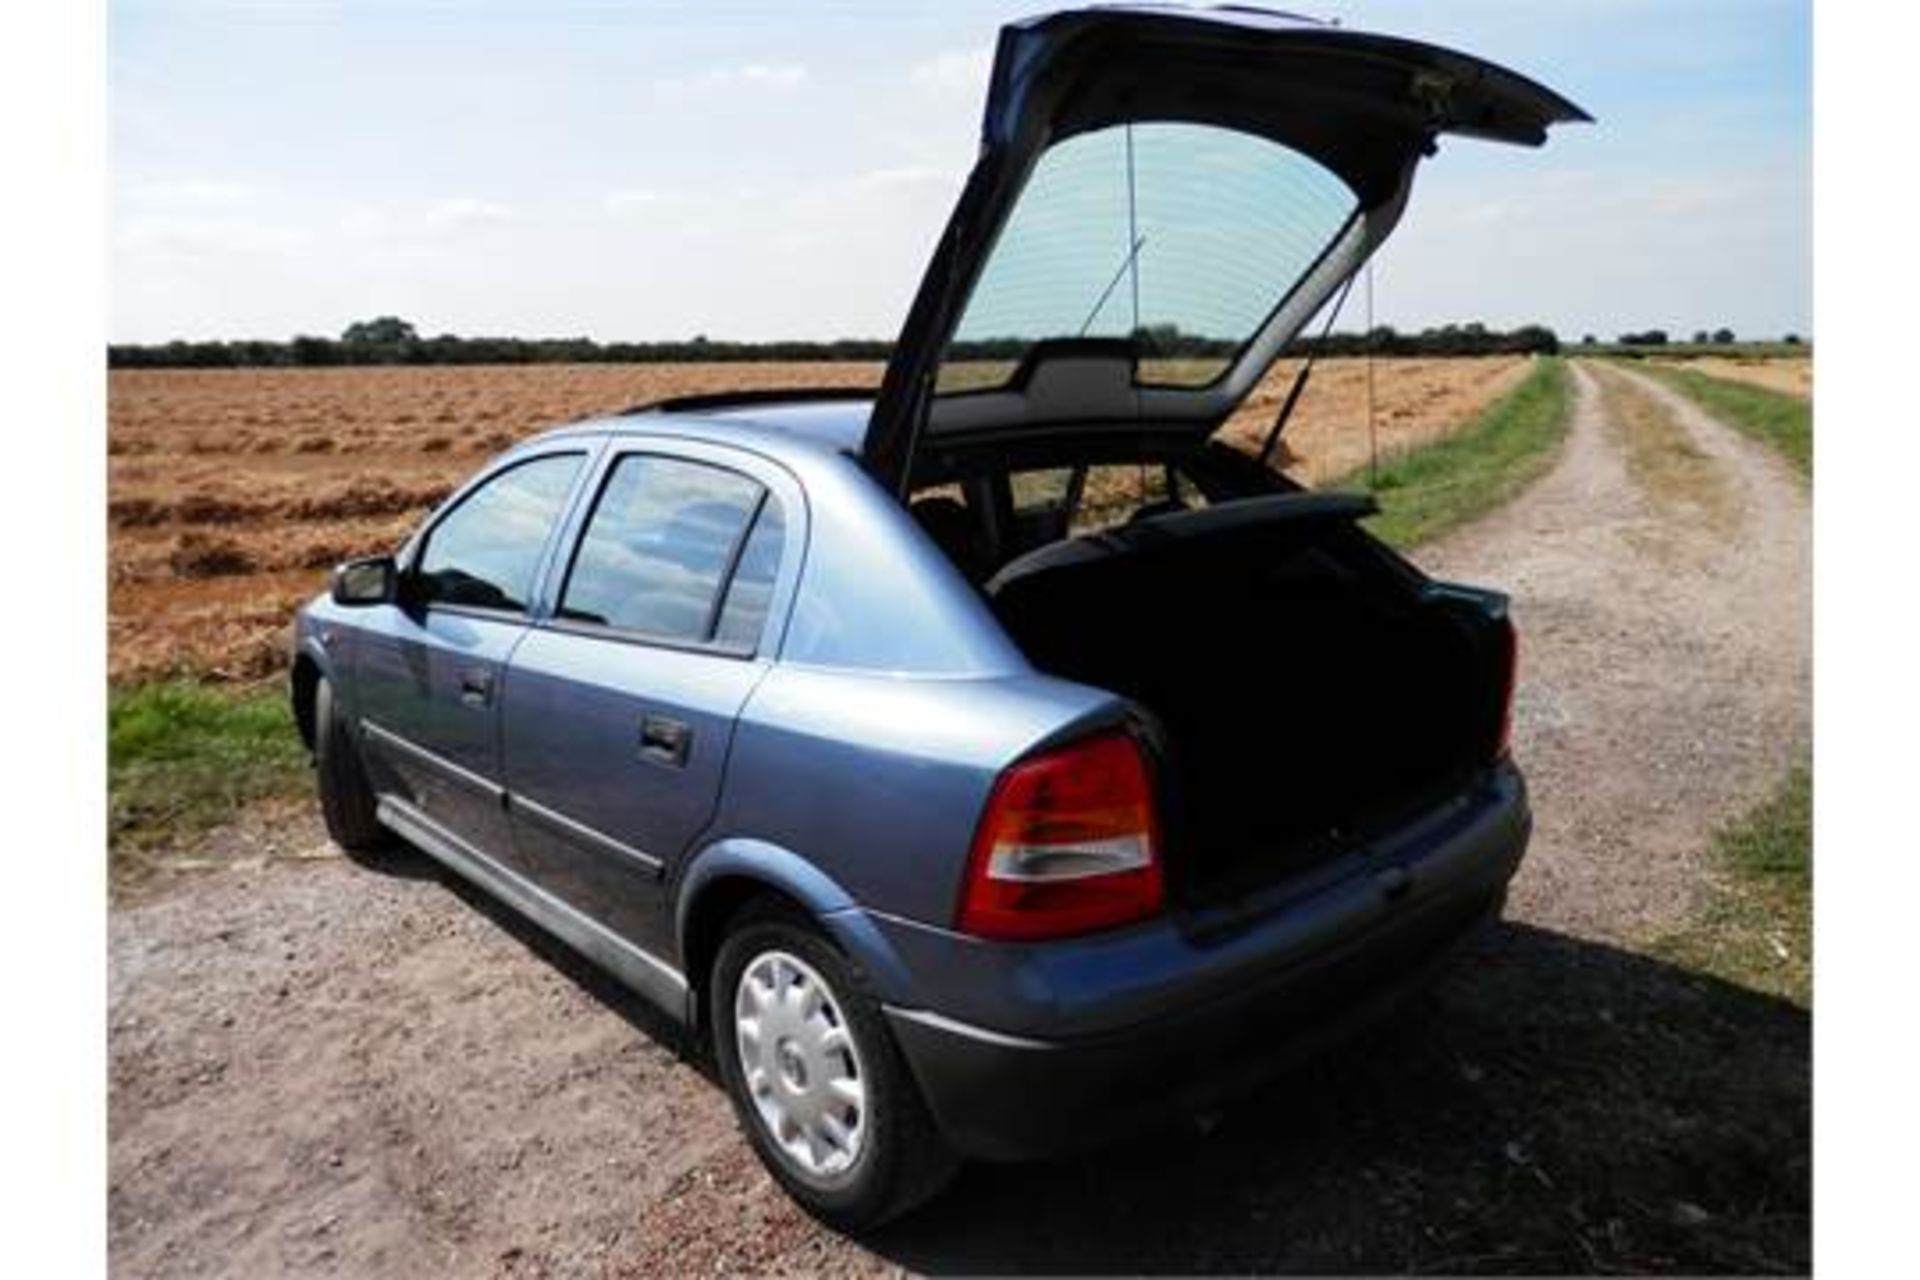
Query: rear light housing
pixel 1069 844
pixel 1510 661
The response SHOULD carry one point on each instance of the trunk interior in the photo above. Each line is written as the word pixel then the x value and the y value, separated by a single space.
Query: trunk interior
pixel 1309 689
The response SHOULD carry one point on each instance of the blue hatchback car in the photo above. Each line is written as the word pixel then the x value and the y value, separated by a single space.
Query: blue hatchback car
pixel 999 761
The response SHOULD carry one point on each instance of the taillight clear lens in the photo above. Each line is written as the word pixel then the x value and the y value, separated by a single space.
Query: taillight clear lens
pixel 1069 843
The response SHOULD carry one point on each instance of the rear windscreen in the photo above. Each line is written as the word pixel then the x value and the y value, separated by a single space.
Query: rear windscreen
pixel 1182 237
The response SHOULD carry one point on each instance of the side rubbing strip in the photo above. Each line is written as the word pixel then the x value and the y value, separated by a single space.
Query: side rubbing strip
pixel 580 832
pixel 438 763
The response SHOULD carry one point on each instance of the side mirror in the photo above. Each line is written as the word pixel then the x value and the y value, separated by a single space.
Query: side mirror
pixel 374 580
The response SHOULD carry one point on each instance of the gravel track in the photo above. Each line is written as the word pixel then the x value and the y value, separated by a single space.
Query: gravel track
pixel 1666 657
pixel 320 1068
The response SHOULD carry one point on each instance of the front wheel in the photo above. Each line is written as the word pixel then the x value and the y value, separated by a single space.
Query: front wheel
pixel 347 801
pixel 815 1077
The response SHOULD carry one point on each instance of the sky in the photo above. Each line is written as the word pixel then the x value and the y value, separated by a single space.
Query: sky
pixel 756 170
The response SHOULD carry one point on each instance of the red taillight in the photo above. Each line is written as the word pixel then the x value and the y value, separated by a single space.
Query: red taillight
pixel 1512 676
pixel 1069 844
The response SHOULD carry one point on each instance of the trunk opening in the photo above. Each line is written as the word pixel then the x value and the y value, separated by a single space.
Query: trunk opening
pixel 1307 690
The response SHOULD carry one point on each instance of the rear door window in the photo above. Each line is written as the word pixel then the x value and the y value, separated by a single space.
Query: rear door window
pixel 663 537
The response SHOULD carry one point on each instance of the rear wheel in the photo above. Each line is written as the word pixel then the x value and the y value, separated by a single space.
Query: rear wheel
pixel 346 797
pixel 815 1077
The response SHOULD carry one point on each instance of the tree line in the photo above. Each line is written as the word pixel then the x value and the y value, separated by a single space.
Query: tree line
pixel 1701 338
pixel 389 340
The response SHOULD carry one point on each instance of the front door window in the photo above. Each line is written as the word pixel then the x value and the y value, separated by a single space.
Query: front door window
pixel 485 552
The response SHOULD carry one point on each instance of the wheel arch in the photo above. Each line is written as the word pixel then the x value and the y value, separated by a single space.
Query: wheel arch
pixel 303 684
pixel 727 875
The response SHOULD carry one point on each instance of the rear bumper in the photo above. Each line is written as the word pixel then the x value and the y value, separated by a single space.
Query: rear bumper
pixel 1279 988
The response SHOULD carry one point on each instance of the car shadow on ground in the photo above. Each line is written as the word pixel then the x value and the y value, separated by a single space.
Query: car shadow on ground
pixel 1552 1105
pixel 636 1010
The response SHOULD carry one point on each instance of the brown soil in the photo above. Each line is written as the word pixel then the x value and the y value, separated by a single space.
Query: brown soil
pixel 340 1070
pixel 1415 400
pixel 232 492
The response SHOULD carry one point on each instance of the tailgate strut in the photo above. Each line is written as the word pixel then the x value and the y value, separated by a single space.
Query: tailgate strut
pixel 1300 379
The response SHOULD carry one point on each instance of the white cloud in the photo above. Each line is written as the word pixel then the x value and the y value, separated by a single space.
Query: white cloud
pixel 415 224
pixel 364 220
pixel 955 71
pixel 912 175
pixel 1586 251
pixel 632 200
pixel 780 77
pixel 189 194
pixel 463 211
pixel 761 76
pixel 171 234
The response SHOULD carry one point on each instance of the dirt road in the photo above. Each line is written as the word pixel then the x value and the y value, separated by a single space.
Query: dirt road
pixel 1662 582
pixel 323 1069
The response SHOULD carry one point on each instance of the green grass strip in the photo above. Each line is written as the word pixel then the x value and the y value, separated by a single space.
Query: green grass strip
pixel 1780 421
pixel 1429 490
pixel 1758 929
pixel 183 757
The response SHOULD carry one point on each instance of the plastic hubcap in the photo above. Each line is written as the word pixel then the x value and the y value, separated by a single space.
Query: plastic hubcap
pixel 801 1065
pixel 793 1067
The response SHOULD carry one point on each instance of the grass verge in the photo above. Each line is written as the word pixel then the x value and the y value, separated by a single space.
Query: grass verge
pixel 1662 458
pixel 1758 930
pixel 1782 422
pixel 1427 491
pixel 182 757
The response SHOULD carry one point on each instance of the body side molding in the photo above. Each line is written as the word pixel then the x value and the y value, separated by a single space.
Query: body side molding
pixel 580 832
pixel 433 760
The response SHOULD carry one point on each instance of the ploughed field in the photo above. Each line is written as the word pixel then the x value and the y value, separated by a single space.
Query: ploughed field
pixel 231 492
pixel 1789 375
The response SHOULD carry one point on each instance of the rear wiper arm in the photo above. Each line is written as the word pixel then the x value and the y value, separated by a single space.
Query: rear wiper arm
pixel 1132 255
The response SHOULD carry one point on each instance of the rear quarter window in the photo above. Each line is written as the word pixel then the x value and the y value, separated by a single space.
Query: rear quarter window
pixel 1102 495
pixel 1114 494
pixel 750 592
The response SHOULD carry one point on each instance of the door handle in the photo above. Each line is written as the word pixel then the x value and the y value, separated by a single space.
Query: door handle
pixel 665 739
pixel 476 686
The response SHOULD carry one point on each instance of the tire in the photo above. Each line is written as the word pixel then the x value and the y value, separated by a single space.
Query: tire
pixel 898 1159
pixel 346 798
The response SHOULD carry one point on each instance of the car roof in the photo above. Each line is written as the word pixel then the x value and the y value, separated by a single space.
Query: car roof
pixel 775 422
